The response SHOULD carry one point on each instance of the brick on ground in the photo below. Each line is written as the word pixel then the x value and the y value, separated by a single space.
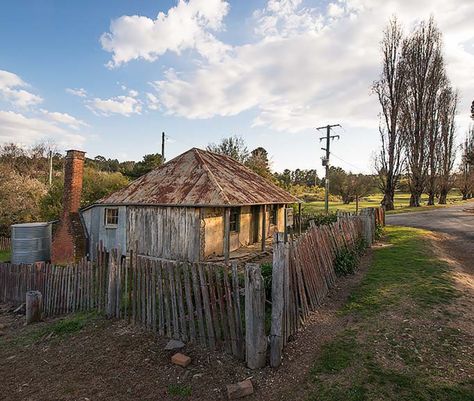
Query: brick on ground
pixel 180 359
pixel 239 390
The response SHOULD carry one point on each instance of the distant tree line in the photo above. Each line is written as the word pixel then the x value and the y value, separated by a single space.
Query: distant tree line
pixel 25 193
pixel 303 183
pixel 130 169
pixel 418 110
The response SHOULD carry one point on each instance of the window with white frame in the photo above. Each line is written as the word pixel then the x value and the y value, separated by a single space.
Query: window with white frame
pixel 111 217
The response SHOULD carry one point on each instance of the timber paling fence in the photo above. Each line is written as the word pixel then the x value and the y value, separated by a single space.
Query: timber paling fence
pixel 304 271
pixel 196 302
pixel 214 305
pixel 5 243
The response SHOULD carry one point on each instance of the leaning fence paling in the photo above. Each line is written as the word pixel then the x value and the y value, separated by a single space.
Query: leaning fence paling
pixel 303 273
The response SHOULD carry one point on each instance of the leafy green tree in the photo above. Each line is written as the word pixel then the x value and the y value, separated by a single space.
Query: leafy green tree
pixel 148 163
pixel 233 146
pixel 96 185
pixel 348 186
pixel 259 163
pixel 19 198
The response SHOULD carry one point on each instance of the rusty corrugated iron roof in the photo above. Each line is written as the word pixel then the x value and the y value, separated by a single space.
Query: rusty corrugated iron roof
pixel 200 178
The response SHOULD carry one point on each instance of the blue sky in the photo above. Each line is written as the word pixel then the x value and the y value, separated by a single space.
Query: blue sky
pixel 109 76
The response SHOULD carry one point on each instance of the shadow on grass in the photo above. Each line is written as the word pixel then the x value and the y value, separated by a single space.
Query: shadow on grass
pixel 406 271
pixel 376 358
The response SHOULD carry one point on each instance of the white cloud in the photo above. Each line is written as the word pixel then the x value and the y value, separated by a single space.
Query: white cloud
pixel 33 124
pixel 64 118
pixel 152 102
pixel 80 92
pixel 335 10
pixel 11 89
pixel 313 65
pixel 188 25
pixel 124 105
pixel 18 128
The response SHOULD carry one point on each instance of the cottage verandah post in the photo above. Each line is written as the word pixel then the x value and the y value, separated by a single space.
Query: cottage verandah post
pixel 226 234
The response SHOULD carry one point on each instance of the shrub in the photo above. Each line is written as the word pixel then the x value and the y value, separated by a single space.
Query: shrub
pixel 378 231
pixel 347 260
pixel 317 217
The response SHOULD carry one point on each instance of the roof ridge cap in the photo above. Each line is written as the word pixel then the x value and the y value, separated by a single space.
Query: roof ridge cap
pixel 211 176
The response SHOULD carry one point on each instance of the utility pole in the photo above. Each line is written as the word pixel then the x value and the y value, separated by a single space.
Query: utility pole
pixel 163 146
pixel 325 160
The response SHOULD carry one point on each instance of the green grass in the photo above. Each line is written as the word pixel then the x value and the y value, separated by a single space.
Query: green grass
pixel 403 270
pixel 399 328
pixel 58 329
pixel 179 390
pixel 4 256
pixel 401 201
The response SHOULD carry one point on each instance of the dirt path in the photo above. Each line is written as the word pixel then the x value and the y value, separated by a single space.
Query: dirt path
pixel 110 361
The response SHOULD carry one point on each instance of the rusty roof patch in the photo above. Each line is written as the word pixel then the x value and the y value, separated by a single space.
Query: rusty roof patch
pixel 200 178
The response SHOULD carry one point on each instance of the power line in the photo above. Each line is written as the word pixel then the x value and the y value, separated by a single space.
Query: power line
pixel 325 160
pixel 345 161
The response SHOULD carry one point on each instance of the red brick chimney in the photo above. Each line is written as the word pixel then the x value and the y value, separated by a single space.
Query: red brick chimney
pixel 69 239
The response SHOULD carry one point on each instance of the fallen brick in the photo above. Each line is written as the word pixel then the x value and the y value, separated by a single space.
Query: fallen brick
pixel 240 389
pixel 181 359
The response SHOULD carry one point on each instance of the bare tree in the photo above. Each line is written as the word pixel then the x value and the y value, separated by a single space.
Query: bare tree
pixel 437 83
pixel 466 170
pixel 447 153
pixel 423 62
pixel 390 89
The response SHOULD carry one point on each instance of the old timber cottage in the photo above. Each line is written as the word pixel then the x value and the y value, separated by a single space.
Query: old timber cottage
pixel 198 205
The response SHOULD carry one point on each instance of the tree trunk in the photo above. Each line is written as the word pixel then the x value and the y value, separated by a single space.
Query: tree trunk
pixel 387 201
pixel 443 195
pixel 415 199
pixel 431 199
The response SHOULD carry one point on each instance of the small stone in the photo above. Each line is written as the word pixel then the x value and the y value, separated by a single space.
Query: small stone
pixel 239 390
pixel 3 326
pixel 198 375
pixel 174 344
pixel 181 360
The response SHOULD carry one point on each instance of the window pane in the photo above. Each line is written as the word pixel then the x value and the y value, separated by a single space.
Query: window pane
pixel 111 216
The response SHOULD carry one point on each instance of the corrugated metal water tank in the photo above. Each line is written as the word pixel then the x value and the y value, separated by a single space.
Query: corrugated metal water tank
pixel 31 242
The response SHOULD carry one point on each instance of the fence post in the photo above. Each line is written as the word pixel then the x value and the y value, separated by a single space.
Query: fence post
pixel 34 306
pixel 278 300
pixel 367 217
pixel 255 340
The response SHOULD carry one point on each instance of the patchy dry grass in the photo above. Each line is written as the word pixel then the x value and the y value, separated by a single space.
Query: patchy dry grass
pixel 403 343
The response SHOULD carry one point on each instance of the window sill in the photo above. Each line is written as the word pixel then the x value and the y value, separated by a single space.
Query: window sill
pixel 111 226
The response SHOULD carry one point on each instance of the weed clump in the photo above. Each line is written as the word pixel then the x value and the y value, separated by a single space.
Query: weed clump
pixel 347 259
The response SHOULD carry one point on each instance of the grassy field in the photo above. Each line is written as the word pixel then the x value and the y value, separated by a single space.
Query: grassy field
pixel 404 342
pixel 4 256
pixel 401 200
